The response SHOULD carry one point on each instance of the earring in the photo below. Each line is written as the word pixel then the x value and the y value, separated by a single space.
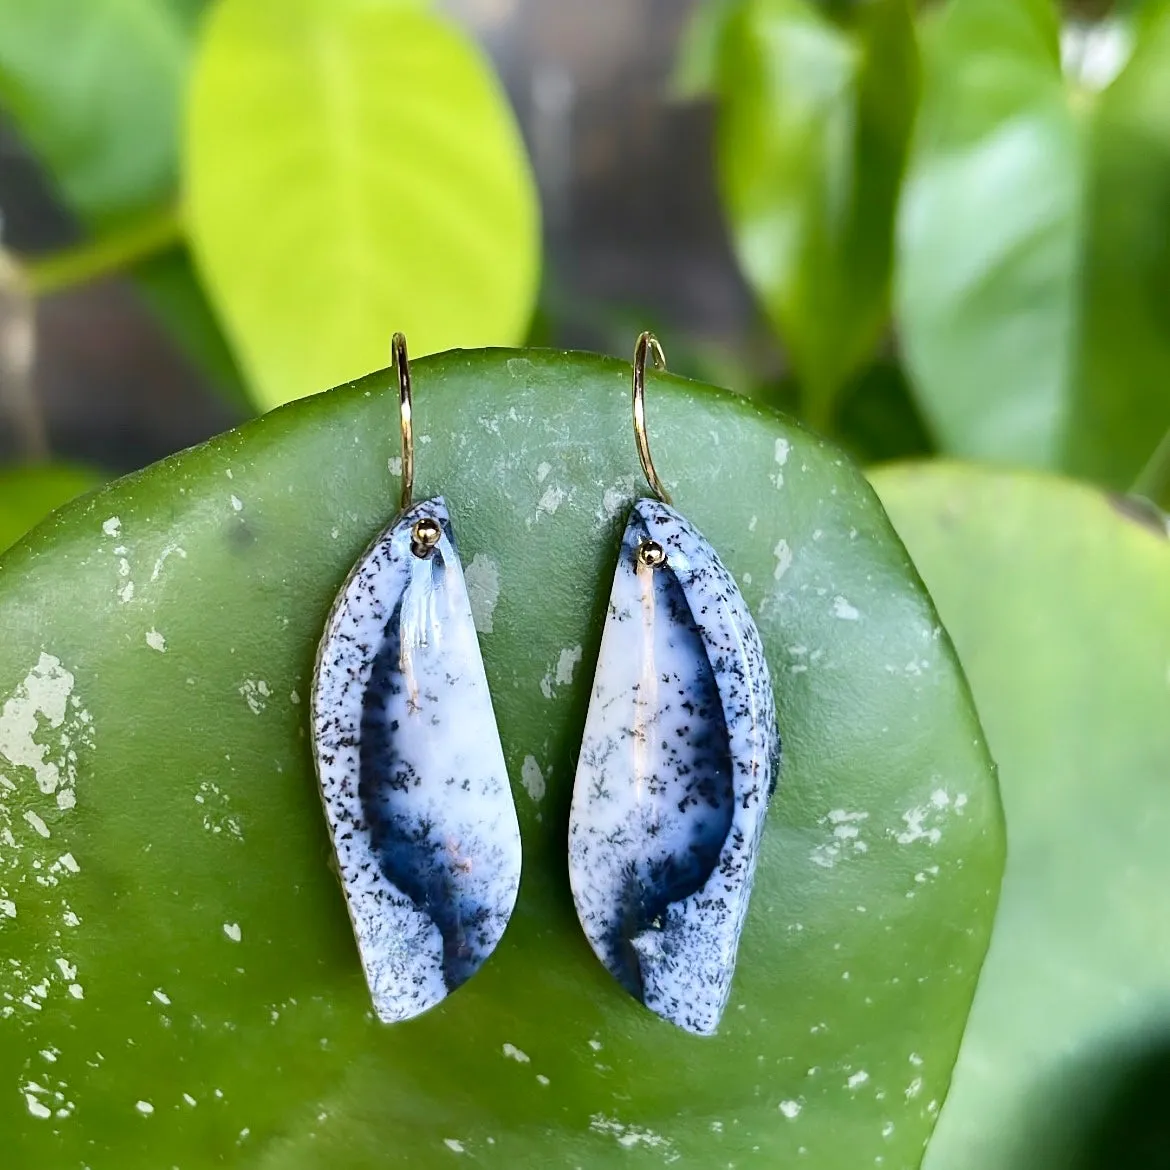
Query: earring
pixel 678 762
pixel 409 760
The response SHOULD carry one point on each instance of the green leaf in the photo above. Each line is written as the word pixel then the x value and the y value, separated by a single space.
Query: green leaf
pixel 29 494
pixel 814 124
pixel 696 67
pixel 1034 265
pixel 101 109
pixel 1060 606
pixel 95 88
pixel 184 887
pixel 354 168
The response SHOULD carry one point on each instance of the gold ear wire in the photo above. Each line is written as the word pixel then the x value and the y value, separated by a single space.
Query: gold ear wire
pixel 646 342
pixel 401 362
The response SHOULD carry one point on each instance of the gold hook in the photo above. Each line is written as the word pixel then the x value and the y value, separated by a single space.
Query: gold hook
pixel 646 341
pixel 401 362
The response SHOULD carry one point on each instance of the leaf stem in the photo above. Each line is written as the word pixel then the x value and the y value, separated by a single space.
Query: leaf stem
pixel 1153 482
pixel 18 339
pixel 113 253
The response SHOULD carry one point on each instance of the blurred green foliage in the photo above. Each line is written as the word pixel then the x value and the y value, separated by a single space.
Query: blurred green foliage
pixel 347 165
pixel 814 124
pixel 1034 256
pixel 29 494
pixel 341 165
pixel 1032 261
pixel 105 116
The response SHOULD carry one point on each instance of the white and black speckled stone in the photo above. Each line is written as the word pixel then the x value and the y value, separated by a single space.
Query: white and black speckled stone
pixel 412 773
pixel 678 763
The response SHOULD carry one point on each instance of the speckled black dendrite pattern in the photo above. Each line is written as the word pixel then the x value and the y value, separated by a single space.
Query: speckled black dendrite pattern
pixel 412 773
pixel 679 760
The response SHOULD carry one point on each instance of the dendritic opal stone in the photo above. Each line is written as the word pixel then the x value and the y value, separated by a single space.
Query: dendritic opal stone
pixel 677 767
pixel 412 773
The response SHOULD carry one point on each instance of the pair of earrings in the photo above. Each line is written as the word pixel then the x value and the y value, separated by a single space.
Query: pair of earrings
pixel 678 762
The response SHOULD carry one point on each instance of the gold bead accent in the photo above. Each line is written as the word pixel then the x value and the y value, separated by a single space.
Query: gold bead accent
pixel 425 534
pixel 651 554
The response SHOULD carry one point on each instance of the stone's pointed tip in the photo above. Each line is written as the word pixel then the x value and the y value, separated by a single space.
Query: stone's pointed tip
pixel 385 1013
pixel 390 1010
pixel 703 1031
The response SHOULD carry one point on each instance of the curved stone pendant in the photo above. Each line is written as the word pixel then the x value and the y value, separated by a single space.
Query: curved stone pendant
pixel 412 774
pixel 678 763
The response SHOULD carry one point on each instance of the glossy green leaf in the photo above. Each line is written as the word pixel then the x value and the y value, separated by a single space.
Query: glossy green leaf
pixel 814 123
pixel 1034 264
pixel 95 87
pixel 352 169
pixel 29 494
pixel 1059 602
pixel 183 973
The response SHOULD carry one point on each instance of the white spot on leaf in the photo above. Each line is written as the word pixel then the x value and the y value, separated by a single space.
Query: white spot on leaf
pixel 169 551
pixel 43 728
pixel 156 641
pixel 567 664
pixel 532 778
pixel 256 693
pixel 846 835
pixel 916 828
pixel 782 449
pixel 551 500
pixel 43 694
pixel 783 555
pixel 616 498
pixel 36 822
pixel 843 610
pixel 36 1108
pixel 483 590
pixel 630 1136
